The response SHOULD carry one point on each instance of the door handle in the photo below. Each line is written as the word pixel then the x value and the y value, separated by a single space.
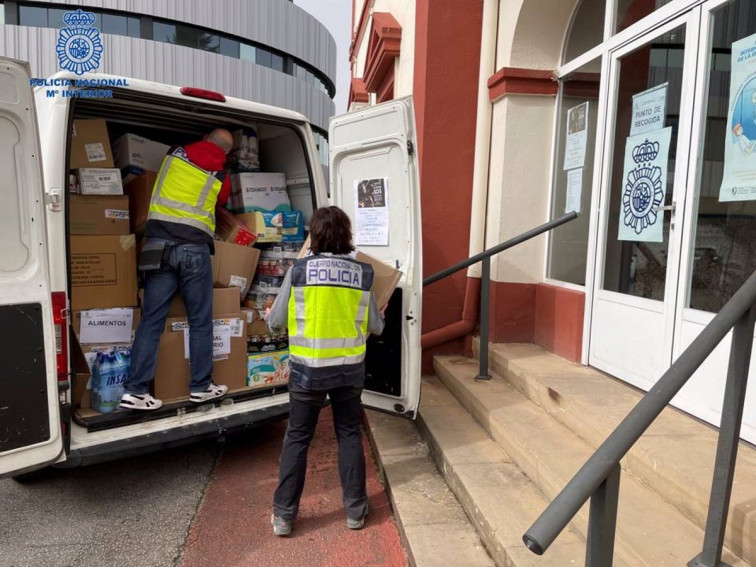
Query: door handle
pixel 672 208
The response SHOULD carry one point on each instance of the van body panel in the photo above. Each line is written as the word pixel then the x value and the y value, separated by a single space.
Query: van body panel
pixel 28 289
pixel 378 143
pixel 30 431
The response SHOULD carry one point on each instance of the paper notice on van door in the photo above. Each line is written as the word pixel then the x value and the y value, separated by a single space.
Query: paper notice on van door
pixel 371 212
pixel 101 326
pixel 221 342
pixel 577 137
pixel 649 110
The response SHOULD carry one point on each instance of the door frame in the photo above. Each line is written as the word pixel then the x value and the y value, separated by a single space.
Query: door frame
pixel 689 213
pixel 691 19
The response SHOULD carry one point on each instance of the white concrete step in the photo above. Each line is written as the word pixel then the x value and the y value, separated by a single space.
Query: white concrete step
pixel 435 529
pixel 493 490
pixel 650 531
pixel 676 456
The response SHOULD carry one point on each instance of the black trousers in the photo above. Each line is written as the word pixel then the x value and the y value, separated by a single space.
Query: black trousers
pixel 304 410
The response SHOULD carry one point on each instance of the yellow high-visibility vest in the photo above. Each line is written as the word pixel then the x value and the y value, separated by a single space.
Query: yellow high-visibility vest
pixel 185 193
pixel 328 311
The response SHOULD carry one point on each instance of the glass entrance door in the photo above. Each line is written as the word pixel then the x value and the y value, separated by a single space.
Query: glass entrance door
pixel 644 170
pixel 719 248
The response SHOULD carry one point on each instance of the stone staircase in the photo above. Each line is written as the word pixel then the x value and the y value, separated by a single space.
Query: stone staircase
pixel 507 447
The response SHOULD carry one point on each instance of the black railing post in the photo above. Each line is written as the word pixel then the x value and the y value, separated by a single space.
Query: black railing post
pixel 485 290
pixel 727 445
pixel 602 522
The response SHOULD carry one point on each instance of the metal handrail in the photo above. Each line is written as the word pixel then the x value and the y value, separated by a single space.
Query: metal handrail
pixel 485 279
pixel 598 479
pixel 500 248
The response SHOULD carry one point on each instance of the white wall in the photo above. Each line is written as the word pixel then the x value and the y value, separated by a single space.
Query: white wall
pixel 404 13
pixel 519 174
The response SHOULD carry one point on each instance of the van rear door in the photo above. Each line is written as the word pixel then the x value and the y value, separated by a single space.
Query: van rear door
pixel 375 147
pixel 30 431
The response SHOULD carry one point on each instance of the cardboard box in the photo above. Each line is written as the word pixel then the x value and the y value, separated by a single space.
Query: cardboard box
pixel 268 369
pixel 139 191
pixel 230 228
pixel 385 278
pixel 116 325
pixel 259 191
pixel 99 215
pixel 100 181
pixel 234 266
pixel 90 145
pixel 256 325
pixel 135 155
pixel 173 373
pixel 225 300
pixel 103 272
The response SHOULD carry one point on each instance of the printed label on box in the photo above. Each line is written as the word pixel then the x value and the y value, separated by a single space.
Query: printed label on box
pixel 236 327
pixel 93 269
pixel 116 214
pixel 106 325
pixel 95 152
pixel 221 342
pixel 240 282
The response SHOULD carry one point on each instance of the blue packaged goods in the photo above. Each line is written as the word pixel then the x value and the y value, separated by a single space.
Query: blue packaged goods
pixel 109 374
pixel 289 224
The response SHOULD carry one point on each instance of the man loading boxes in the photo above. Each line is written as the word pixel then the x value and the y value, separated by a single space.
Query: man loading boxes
pixel 180 228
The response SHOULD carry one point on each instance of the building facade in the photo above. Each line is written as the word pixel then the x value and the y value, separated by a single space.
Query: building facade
pixel 638 114
pixel 267 51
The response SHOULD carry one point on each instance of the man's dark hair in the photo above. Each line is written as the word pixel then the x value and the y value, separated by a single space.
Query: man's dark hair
pixel 330 231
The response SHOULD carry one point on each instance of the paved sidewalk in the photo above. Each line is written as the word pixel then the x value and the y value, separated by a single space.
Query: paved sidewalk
pixel 232 527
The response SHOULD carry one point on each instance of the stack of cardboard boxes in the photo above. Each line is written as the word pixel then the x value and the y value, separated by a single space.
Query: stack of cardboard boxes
pixel 260 211
pixel 109 204
pixel 104 306
pixel 258 237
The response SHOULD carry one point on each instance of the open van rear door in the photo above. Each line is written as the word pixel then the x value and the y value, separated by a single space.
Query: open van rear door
pixel 30 431
pixel 374 178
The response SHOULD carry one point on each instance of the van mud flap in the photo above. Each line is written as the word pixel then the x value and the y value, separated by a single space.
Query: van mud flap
pixel 24 411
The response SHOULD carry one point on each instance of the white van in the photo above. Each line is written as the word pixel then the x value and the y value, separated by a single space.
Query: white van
pixel 37 424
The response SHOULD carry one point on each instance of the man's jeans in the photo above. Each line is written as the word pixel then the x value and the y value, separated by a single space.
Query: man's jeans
pixel 187 270
pixel 304 409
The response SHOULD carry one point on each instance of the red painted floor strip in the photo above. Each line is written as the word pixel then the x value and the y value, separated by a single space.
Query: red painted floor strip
pixel 232 527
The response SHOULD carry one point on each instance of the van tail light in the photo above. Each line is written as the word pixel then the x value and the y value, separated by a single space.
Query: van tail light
pixel 203 93
pixel 60 322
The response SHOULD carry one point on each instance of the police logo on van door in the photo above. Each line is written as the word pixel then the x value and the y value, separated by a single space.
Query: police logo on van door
pixel 79 45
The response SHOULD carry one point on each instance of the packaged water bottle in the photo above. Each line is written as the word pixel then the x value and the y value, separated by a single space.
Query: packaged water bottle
pixel 109 373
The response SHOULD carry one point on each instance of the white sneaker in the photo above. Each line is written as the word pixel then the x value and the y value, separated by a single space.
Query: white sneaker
pixel 213 391
pixel 140 402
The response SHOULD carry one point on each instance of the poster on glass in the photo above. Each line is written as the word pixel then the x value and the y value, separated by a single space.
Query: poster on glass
pixel 644 182
pixel 577 137
pixel 739 178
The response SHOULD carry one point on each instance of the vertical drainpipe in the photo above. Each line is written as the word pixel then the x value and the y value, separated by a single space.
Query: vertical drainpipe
pixel 483 129
pixel 478 212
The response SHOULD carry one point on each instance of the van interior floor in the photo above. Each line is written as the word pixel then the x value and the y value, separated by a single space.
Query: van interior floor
pixel 95 421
